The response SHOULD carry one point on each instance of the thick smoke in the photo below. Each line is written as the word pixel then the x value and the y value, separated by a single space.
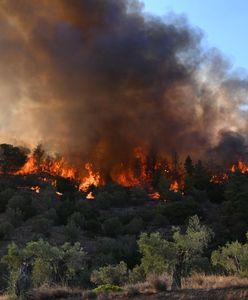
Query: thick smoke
pixel 93 79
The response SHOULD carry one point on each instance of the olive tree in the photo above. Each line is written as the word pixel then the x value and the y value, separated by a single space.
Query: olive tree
pixel 173 256
pixel 233 258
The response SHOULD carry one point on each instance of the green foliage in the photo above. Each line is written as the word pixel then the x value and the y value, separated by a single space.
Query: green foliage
pixel 233 258
pixel 112 227
pixel 15 216
pixel 195 239
pixel 111 251
pixel 5 229
pixel 137 274
pixel 78 219
pixel 5 196
pixel 42 226
pixel 64 210
pixel 111 274
pixel 72 232
pixel 135 226
pixel 178 212
pixel 160 255
pixel 156 252
pixel 23 203
pixel 50 264
pixel 235 209
pixel 107 288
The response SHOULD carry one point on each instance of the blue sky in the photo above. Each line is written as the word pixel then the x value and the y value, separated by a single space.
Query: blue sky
pixel 225 23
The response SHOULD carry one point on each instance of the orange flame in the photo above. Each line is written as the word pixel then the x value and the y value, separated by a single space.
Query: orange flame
pixel 90 196
pixel 93 178
pixel 174 187
pixel 241 166
pixel 36 189
pixel 155 195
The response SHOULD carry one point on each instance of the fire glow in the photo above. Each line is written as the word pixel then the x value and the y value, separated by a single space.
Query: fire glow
pixel 135 173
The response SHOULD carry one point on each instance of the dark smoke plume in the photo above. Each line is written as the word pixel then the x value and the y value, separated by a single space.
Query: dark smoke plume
pixel 93 79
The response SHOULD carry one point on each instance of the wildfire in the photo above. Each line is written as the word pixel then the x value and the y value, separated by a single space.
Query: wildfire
pixel 135 173
pixel 53 167
pixel 90 196
pixel 36 189
pixel 155 195
pixel 174 187
pixel 138 171
pixel 241 166
pixel 93 178
pixel 218 179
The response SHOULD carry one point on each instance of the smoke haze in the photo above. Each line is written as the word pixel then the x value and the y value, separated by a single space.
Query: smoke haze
pixel 93 79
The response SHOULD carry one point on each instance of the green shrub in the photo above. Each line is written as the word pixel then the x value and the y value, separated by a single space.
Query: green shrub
pixel 135 226
pixel 78 219
pixel 112 274
pixel 5 229
pixel 15 216
pixel 112 227
pixel 108 288
pixel 72 232
pixel 4 198
pixel 23 204
pixel 43 226
pixel 233 258
pixel 51 264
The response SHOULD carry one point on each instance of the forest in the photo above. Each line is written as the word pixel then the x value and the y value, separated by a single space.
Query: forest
pixel 52 234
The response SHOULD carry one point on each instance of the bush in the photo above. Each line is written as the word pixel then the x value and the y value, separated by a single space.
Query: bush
pixel 138 196
pixel 64 210
pixel 233 258
pixel 112 274
pixel 72 232
pixel 51 264
pixel 108 288
pixel 43 226
pixel 158 283
pixel 137 275
pixel 23 203
pixel 112 227
pixel 4 198
pixel 78 219
pixel 15 216
pixel 135 226
pixel 5 229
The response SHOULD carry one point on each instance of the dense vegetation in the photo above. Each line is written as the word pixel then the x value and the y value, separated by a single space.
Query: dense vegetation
pixel 122 236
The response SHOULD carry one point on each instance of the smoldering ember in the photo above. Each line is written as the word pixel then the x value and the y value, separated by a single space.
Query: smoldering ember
pixel 116 126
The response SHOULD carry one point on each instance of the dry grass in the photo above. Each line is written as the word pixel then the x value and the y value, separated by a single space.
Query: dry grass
pixel 154 284
pixel 201 281
pixel 44 293
pixel 158 283
pixel 197 287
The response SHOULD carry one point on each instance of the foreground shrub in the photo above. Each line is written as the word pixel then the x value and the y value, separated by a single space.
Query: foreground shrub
pixel 158 283
pixel 49 264
pixel 233 258
pixel 202 281
pixel 108 288
pixel 173 257
pixel 112 274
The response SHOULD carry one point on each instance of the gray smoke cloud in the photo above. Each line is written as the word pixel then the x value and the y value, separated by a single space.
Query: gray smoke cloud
pixel 93 79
